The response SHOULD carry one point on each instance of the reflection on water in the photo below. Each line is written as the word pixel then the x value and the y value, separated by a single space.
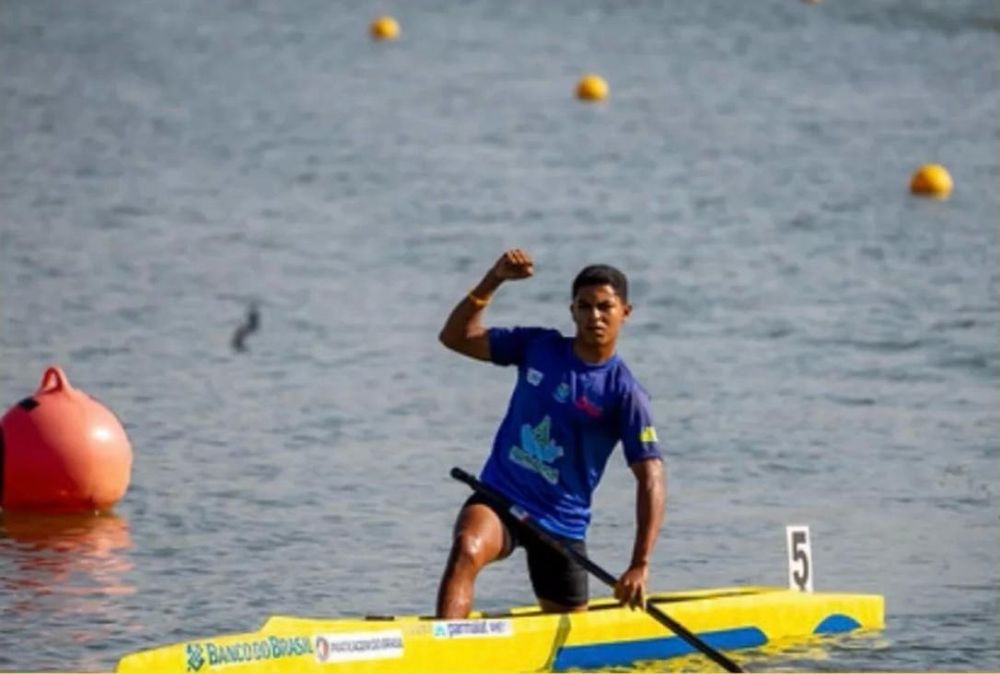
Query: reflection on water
pixel 71 568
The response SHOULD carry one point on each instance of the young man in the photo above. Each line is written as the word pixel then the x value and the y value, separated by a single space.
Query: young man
pixel 573 401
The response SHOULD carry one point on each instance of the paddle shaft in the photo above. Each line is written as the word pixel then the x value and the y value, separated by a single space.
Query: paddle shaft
pixel 504 503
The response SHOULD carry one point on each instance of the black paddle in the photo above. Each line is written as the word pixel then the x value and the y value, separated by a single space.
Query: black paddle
pixel 504 504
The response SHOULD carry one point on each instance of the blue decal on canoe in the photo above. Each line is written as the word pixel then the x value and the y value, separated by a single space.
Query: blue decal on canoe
pixel 659 648
pixel 837 622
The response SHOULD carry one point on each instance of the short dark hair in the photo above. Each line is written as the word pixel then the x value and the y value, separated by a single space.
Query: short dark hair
pixel 600 275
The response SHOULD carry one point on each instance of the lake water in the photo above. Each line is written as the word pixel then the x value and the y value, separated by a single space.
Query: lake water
pixel 821 346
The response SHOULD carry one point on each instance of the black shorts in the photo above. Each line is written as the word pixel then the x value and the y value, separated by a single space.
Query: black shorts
pixel 554 576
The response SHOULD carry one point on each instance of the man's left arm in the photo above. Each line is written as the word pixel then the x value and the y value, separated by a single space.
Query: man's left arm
pixel 650 494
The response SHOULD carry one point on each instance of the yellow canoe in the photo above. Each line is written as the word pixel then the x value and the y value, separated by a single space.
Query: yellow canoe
pixel 520 640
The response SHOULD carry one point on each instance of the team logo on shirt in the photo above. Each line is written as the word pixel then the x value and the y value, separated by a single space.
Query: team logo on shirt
pixel 538 451
pixel 534 377
pixel 648 434
pixel 561 394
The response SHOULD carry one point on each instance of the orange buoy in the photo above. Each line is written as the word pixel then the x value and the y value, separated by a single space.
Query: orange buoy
pixel 592 87
pixel 384 28
pixel 62 451
pixel 931 180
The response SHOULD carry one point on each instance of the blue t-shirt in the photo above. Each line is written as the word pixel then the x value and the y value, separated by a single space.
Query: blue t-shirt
pixel 564 419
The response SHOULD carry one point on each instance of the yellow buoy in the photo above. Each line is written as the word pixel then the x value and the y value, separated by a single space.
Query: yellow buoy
pixel 592 88
pixel 384 28
pixel 931 180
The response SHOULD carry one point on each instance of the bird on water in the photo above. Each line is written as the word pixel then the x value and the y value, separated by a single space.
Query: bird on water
pixel 251 323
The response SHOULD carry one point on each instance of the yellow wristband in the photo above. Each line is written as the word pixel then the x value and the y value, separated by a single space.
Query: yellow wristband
pixel 478 301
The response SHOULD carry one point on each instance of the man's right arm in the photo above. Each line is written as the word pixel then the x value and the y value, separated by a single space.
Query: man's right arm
pixel 464 331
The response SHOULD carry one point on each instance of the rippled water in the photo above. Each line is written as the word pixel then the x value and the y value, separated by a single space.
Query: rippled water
pixel 821 346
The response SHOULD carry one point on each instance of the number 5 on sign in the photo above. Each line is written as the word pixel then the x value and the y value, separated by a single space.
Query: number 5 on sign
pixel 800 572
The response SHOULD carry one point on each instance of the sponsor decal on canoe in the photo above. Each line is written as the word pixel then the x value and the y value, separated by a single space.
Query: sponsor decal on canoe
pixel 359 646
pixel 457 629
pixel 200 654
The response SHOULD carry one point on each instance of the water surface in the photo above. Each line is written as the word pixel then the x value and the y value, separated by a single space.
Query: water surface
pixel 821 346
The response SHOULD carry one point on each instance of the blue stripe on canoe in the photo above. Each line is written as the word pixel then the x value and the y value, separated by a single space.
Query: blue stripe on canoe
pixel 836 622
pixel 659 648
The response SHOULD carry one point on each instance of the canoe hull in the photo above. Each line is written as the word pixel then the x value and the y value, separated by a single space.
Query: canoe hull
pixel 521 640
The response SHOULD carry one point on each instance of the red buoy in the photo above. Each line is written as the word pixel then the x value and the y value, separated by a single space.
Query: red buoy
pixel 62 451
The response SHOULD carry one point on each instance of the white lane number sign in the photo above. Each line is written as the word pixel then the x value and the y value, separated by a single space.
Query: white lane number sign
pixel 800 565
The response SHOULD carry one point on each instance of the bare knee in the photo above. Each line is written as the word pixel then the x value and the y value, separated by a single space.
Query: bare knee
pixel 469 551
pixel 469 554
pixel 479 538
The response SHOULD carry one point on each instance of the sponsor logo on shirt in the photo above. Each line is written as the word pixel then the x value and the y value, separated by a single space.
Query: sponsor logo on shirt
pixel 561 394
pixel 648 434
pixel 588 407
pixel 534 376
pixel 538 451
